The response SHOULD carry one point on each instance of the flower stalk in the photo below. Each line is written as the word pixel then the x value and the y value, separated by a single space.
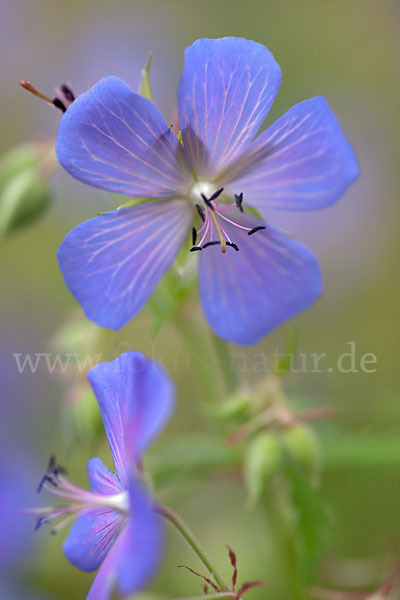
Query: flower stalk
pixel 188 536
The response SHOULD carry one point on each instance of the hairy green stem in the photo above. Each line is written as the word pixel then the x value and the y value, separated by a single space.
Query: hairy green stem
pixel 284 543
pixel 224 359
pixel 200 356
pixel 188 536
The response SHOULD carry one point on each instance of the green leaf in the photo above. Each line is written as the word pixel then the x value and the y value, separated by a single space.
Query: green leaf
pixel 144 85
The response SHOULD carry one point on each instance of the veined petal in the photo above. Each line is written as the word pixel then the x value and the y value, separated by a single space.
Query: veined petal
pixel 248 293
pixel 141 544
pixel 115 139
pixel 101 479
pixel 226 90
pixel 112 263
pixel 105 580
pixel 91 538
pixel 136 554
pixel 302 162
pixel 135 398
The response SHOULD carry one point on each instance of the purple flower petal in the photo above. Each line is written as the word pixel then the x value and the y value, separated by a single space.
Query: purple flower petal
pixel 248 293
pixel 302 162
pixel 104 582
pixel 91 537
pixel 136 554
pixel 135 397
pixel 112 263
pixel 225 93
pixel 142 544
pixel 117 140
pixel 101 479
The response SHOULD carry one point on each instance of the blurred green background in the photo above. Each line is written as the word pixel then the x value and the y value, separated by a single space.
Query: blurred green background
pixel 346 51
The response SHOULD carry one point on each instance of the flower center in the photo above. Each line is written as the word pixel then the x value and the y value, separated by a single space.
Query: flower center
pixel 76 499
pixel 215 223
pixel 200 189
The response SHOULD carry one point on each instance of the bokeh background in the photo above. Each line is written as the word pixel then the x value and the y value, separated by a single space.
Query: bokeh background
pixel 346 51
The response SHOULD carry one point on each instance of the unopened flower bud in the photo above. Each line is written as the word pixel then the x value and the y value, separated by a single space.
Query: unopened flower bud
pixel 24 189
pixel 262 461
pixel 235 408
pixel 302 445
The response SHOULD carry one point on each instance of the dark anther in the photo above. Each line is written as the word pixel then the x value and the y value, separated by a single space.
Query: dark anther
pixel 58 104
pixel 239 201
pixel 208 202
pixel 255 229
pixel 216 194
pixel 45 479
pixel 68 93
pixel 196 248
pixel 194 236
pixel 52 473
pixel 201 212
pixel 212 243
pixel 40 522
pixel 232 245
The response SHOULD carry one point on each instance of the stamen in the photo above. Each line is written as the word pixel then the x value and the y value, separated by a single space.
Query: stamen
pixel 233 223
pixel 63 524
pixel 212 243
pixel 201 212
pixel 217 243
pixel 232 245
pixel 52 474
pixel 40 522
pixel 65 96
pixel 55 101
pixel 239 201
pixel 58 104
pixel 194 236
pixel 208 202
pixel 68 93
pixel 206 227
pixel 216 194
pixel 195 249
pixel 255 229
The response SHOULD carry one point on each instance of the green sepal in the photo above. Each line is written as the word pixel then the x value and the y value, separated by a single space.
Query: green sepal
pixel 144 84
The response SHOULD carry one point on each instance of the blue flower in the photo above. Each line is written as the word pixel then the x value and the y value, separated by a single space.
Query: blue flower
pixel 115 525
pixel 113 138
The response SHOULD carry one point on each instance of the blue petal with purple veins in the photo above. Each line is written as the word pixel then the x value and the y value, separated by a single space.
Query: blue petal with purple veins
pixel 91 538
pixel 302 162
pixel 105 581
pixel 245 294
pixel 135 398
pixel 141 545
pixel 112 263
pixel 226 90
pixel 101 480
pixel 136 555
pixel 115 139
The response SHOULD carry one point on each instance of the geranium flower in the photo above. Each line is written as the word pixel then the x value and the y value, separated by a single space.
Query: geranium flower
pixel 116 527
pixel 252 277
